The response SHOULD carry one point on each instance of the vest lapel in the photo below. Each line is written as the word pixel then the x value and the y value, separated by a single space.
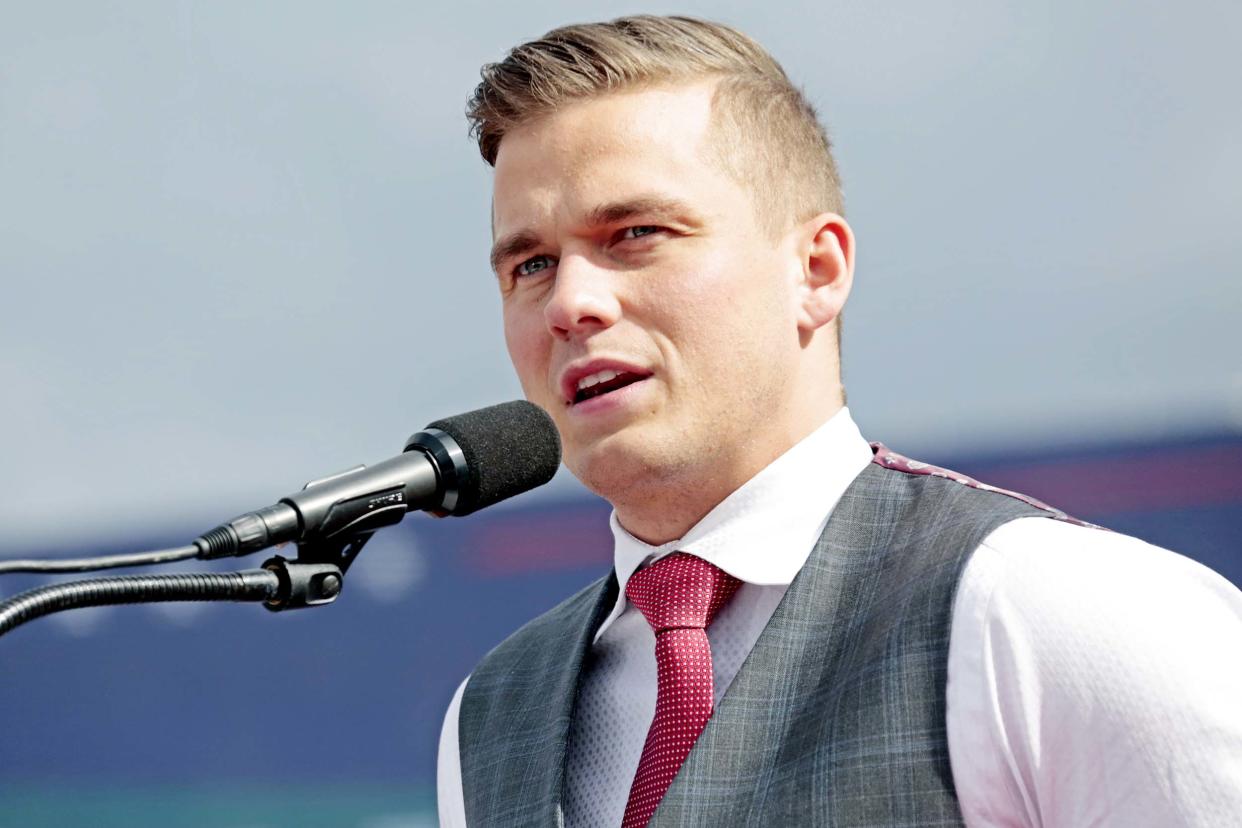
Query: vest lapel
pixel 520 782
pixel 561 692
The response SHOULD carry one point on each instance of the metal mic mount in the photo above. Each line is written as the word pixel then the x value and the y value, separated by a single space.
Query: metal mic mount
pixel 313 579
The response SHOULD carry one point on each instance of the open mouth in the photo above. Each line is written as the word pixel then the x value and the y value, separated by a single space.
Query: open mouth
pixel 602 382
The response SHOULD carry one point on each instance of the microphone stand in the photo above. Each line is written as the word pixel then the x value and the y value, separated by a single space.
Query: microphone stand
pixel 313 579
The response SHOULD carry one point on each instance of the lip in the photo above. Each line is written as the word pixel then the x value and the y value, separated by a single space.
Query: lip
pixel 575 371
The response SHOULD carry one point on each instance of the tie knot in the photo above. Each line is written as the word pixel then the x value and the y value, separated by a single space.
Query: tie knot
pixel 680 591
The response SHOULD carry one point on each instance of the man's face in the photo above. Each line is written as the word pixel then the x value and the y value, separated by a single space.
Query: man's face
pixel 645 308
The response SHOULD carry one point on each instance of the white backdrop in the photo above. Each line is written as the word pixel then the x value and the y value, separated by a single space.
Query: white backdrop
pixel 243 245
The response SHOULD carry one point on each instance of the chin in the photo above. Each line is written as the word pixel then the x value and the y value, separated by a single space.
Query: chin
pixel 620 468
pixel 608 477
pixel 607 467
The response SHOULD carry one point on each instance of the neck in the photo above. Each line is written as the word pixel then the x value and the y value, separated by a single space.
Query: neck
pixel 666 510
pixel 659 516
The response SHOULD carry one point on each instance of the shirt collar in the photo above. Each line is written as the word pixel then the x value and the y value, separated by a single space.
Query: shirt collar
pixel 764 531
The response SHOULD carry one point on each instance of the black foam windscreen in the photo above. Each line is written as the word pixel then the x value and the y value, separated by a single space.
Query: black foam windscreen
pixel 509 449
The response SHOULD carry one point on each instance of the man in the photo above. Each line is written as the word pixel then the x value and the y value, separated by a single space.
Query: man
pixel 800 628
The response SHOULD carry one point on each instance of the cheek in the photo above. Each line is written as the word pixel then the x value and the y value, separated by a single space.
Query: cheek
pixel 731 314
pixel 729 291
pixel 527 349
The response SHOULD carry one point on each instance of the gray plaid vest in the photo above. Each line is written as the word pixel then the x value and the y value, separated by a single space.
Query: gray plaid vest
pixel 836 718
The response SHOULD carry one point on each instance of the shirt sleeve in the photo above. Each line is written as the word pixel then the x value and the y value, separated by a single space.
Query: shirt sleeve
pixel 449 799
pixel 1094 679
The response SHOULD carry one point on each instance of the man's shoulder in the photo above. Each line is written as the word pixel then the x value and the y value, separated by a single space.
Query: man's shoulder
pixel 1056 564
pixel 1071 604
pixel 918 480
pixel 1091 663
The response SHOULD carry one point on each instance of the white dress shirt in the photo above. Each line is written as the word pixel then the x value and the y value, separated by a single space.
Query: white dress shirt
pixel 1092 678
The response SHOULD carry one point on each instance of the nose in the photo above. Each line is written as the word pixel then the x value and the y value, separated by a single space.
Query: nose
pixel 583 298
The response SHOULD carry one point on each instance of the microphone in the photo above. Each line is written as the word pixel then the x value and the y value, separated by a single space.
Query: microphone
pixel 455 466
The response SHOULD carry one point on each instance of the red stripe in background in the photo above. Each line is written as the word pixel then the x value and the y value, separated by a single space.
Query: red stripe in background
pixel 577 535
pixel 1158 479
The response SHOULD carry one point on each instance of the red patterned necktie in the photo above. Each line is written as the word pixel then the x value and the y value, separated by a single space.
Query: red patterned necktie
pixel 679 596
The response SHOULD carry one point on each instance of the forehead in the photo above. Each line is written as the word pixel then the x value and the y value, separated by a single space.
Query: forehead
pixel 652 140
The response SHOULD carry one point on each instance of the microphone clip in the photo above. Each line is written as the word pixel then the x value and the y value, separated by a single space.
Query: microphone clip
pixel 317 575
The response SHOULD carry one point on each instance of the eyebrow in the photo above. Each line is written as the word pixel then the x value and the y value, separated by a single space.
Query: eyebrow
pixel 514 244
pixel 523 241
pixel 646 205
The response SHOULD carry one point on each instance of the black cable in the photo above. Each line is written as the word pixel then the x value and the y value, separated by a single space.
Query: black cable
pixel 159 556
pixel 248 585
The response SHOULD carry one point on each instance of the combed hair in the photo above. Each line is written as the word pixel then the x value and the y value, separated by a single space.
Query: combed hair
pixel 766 134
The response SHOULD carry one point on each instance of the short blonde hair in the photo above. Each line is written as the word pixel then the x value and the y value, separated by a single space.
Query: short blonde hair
pixel 767 135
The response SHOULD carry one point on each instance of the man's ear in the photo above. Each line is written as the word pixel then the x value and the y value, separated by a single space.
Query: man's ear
pixel 827 255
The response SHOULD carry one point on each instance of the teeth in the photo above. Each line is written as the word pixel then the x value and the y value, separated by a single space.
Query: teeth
pixel 597 378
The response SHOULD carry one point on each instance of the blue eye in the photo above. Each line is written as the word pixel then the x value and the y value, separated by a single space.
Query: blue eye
pixel 641 230
pixel 533 265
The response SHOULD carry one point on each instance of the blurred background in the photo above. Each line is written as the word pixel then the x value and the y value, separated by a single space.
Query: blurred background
pixel 244 245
